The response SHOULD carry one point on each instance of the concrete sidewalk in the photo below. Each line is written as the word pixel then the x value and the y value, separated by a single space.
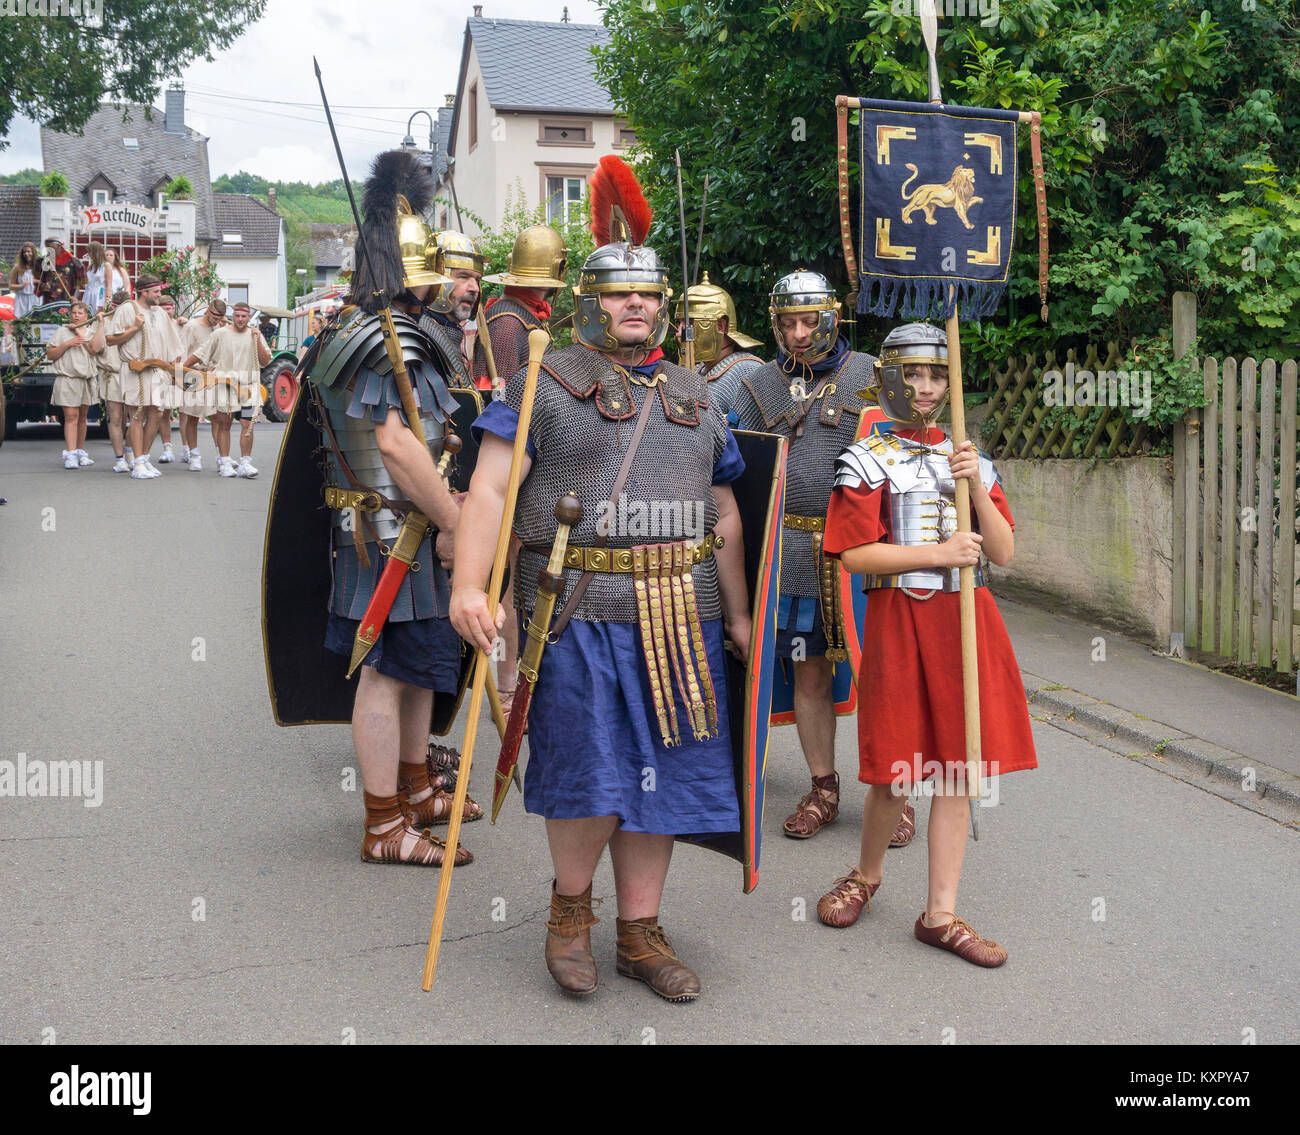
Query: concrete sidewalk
pixel 1236 739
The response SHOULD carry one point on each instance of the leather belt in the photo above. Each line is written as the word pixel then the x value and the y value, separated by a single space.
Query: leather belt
pixel 804 523
pixel 624 560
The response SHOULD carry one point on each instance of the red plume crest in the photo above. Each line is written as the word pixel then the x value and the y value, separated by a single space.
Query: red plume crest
pixel 617 202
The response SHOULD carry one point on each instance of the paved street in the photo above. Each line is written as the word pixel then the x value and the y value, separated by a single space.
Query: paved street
pixel 1135 907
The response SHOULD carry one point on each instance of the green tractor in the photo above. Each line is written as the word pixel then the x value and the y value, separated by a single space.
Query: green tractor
pixel 280 375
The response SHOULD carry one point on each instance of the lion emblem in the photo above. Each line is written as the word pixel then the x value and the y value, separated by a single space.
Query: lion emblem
pixel 958 193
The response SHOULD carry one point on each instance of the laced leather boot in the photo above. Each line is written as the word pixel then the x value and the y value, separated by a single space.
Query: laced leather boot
pixel 644 953
pixel 568 943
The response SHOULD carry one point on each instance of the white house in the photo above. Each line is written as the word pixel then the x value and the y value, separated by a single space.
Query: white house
pixel 530 118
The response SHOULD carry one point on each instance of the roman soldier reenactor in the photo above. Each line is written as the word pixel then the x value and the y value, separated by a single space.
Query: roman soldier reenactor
pixel 809 395
pixel 722 349
pixel 535 271
pixel 450 305
pixel 391 530
pixel 893 517
pixel 629 744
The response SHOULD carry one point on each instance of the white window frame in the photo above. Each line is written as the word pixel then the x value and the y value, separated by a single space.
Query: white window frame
pixel 232 297
pixel 100 197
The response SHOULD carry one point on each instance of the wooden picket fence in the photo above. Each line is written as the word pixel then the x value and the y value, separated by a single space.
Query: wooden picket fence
pixel 1235 505
pixel 1022 422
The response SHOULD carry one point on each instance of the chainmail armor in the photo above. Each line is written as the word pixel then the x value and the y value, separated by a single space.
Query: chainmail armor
pixel 725 376
pixel 765 403
pixel 447 352
pixel 580 442
pixel 508 324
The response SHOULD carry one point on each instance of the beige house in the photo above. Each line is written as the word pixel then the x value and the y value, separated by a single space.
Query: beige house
pixel 530 120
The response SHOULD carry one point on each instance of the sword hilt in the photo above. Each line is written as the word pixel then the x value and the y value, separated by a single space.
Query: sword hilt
pixel 550 585
pixel 451 445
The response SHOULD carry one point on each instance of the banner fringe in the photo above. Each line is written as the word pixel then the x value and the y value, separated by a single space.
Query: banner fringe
pixel 928 297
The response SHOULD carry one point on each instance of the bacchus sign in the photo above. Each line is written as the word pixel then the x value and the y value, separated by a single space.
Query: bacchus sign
pixel 131 217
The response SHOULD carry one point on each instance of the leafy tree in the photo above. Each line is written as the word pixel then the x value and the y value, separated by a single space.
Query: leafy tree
pixel 27 176
pixel 1172 139
pixel 58 70
pixel 298 254
pixel 496 245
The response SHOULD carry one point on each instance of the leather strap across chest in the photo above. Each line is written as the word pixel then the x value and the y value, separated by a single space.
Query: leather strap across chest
pixel 602 537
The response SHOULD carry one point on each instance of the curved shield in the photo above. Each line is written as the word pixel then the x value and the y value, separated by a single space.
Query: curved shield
pixel 760 497
pixel 844 677
pixel 307 683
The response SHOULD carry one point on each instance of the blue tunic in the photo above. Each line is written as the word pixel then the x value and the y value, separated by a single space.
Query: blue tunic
pixel 593 735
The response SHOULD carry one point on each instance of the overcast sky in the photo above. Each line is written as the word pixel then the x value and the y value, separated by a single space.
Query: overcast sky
pixel 381 61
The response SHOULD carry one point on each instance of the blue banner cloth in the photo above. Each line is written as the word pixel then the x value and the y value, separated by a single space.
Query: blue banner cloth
pixel 938 217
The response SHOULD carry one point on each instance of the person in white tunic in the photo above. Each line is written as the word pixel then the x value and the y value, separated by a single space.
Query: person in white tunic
pixel 235 356
pixel 72 351
pixel 198 395
pixel 143 333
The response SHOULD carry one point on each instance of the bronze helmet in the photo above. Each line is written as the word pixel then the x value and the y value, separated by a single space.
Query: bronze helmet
pixel 413 240
pixel 709 303
pixel 453 250
pixel 538 260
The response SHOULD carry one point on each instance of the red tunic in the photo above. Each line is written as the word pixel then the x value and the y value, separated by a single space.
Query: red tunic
pixel 911 716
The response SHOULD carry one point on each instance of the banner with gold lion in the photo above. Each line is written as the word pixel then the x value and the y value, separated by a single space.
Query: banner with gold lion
pixel 938 217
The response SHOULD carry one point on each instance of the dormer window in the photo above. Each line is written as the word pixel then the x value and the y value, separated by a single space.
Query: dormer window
pixel 99 197
pixel 161 198
pixel 131 143
pixel 232 238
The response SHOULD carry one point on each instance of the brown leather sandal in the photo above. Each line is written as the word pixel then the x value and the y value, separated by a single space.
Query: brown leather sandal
pixel 386 847
pixel 844 903
pixel 443 763
pixel 436 809
pixel 958 937
pixel 815 810
pixel 906 828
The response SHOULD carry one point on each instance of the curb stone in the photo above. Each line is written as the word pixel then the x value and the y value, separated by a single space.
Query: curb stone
pixel 1085 716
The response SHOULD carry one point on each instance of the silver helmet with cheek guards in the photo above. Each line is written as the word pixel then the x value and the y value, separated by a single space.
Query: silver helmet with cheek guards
pixel 618 268
pixel 904 347
pixel 801 292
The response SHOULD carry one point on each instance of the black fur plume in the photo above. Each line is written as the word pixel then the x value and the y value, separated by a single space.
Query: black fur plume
pixel 379 268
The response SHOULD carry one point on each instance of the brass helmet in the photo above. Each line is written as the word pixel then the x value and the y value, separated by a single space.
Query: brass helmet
pixel 415 243
pixel 453 250
pixel 803 291
pixel 709 303
pixel 905 346
pixel 613 268
pixel 538 260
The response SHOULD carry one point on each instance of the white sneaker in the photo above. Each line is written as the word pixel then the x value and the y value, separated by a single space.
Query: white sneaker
pixel 167 456
pixel 122 465
pixel 151 469
pixel 226 467
pixel 83 458
pixel 196 461
pixel 130 454
pixel 185 453
pixel 140 471
pixel 245 468
pixel 70 459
